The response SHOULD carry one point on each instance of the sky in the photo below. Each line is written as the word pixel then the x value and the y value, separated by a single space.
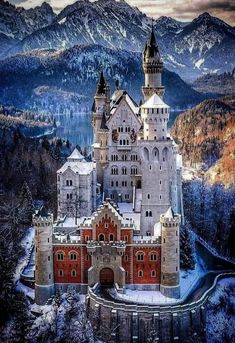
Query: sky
pixel 184 10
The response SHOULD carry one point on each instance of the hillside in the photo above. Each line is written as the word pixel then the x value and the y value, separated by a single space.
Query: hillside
pixel 206 135
pixel 69 77
pixel 28 159
pixel 216 83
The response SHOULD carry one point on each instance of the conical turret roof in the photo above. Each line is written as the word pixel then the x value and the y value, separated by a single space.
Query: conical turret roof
pixel 169 213
pixel 151 48
pixel 101 87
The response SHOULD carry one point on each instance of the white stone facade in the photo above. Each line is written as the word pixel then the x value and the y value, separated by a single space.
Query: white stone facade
pixel 136 158
pixel 76 187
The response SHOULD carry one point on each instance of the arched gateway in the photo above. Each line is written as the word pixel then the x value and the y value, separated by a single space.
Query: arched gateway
pixel 106 277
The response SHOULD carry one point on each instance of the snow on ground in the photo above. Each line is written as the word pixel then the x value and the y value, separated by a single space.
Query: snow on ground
pixel 26 243
pixel 188 280
pixel 28 292
pixel 220 320
pixel 142 297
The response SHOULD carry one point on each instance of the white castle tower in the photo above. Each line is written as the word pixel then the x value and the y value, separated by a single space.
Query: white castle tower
pixel 170 255
pixel 44 275
pixel 100 112
pixel 158 150
pixel 153 67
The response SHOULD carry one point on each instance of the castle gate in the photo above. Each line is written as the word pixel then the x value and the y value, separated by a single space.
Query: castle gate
pixel 106 277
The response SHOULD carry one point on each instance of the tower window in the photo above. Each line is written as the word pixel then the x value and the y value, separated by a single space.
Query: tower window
pixel 124 170
pixel 60 256
pixel 176 269
pixel 73 256
pixel 140 256
pixel 60 272
pixel 148 196
pixel 49 258
pixel 140 273
pixel 73 273
pixel 153 257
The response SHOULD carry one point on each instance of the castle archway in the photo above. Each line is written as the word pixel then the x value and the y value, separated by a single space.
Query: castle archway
pixel 106 277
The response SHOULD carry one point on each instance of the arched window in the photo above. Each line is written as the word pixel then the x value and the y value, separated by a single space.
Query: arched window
pixel 111 237
pixel 123 170
pixel 140 256
pixel 140 273
pixel 146 213
pixel 101 237
pixel 146 154
pixel 155 154
pixel 60 272
pixel 114 170
pixel 73 256
pixel 73 273
pixel 148 196
pixel 153 256
pixel 134 170
pixel 164 154
pixel 150 214
pixel 60 256
pixel 153 273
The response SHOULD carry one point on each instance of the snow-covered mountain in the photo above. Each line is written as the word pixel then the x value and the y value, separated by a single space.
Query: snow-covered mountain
pixel 76 70
pixel 16 23
pixel 189 49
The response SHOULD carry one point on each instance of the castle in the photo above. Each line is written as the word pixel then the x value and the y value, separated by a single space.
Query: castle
pixel 132 239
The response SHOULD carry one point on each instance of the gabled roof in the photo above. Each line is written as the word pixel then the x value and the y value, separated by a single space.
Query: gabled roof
pixel 124 96
pixel 155 102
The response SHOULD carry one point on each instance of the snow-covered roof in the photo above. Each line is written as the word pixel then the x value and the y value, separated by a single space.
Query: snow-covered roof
pixel 169 213
pixel 155 102
pixel 81 167
pixel 75 156
pixel 117 97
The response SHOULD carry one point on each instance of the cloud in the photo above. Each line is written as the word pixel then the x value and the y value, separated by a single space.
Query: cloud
pixel 185 10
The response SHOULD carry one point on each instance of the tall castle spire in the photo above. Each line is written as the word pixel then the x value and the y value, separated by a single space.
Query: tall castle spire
pixel 153 67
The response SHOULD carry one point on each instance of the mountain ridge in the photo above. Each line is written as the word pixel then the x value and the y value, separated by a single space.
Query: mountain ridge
pixel 190 49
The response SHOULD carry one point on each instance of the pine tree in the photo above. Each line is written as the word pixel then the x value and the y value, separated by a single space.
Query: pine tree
pixel 27 202
pixel 187 249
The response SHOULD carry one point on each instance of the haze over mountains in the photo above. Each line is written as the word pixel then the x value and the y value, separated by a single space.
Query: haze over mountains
pixel 188 49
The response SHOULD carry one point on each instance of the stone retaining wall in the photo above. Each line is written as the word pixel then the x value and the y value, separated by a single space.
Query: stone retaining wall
pixel 133 323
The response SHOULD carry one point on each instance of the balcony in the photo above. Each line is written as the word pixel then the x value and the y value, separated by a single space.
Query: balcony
pixel 123 147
